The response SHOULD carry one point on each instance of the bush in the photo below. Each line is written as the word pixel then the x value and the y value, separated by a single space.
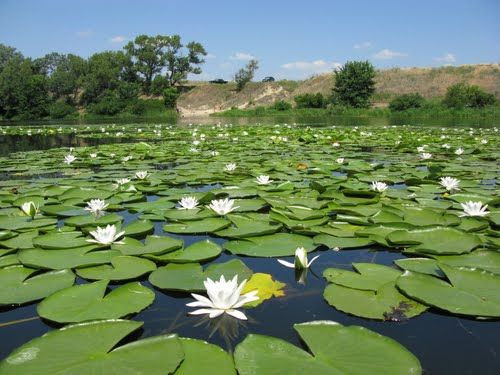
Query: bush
pixel 137 107
pixel 109 105
pixel 310 100
pixel 170 96
pixel 60 110
pixel 462 95
pixel 406 101
pixel 281 105
pixel 354 84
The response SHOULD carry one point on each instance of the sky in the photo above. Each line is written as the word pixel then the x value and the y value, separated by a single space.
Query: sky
pixel 290 39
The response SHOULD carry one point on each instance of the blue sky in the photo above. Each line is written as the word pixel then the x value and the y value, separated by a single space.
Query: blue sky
pixel 291 39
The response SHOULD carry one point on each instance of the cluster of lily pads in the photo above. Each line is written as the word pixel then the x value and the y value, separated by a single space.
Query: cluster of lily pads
pixel 266 191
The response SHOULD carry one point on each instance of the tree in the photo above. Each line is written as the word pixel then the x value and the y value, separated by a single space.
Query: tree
pixel 354 84
pixel 245 75
pixel 406 101
pixel 66 78
pixel 310 100
pixel 153 54
pixel 7 53
pixel 462 95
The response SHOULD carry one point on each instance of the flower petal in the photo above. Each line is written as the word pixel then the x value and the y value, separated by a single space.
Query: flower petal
pixel 286 264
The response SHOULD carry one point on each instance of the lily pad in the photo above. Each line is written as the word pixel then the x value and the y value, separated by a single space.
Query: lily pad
pixel 336 350
pixel 212 224
pixel 60 240
pixel 197 252
pixel 18 287
pixel 122 268
pixel 85 348
pixel 342 242
pixel 152 245
pixel 87 302
pixel 279 244
pixel 266 287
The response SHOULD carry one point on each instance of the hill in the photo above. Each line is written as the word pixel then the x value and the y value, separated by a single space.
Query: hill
pixel 202 98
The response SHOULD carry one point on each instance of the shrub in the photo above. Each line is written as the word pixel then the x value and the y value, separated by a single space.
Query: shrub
pixel 281 105
pixel 109 105
pixel 462 95
pixel 406 101
pixel 354 84
pixel 137 107
pixel 60 110
pixel 170 96
pixel 310 100
pixel 158 85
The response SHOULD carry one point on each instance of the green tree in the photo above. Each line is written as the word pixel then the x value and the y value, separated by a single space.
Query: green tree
pixel 354 84
pixel 310 100
pixel 23 92
pixel 462 95
pixel 7 53
pixel 406 101
pixel 170 95
pixel 245 75
pixel 153 54
pixel 66 77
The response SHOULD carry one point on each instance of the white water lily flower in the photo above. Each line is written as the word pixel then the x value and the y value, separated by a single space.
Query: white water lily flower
pixel 300 261
pixel 223 297
pixel 141 175
pixel 425 155
pixel 93 155
pixel 106 236
pixel 30 208
pixel 214 153
pixel 474 209
pixel 335 144
pixel 222 206
pixel 230 167
pixel 340 160
pixel 188 203
pixel 263 180
pixel 126 158
pixel 68 159
pixel 449 183
pixel 484 141
pixel 421 148
pixel 459 151
pixel 122 181
pixel 96 206
pixel 379 186
pixel 446 146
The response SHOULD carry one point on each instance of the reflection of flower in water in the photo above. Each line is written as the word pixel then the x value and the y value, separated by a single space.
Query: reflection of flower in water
pixel 227 327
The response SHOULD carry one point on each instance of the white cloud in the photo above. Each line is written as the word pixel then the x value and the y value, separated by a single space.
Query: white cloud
pixel 387 54
pixel 210 56
pixel 118 39
pixel 363 45
pixel 311 67
pixel 242 56
pixel 448 58
pixel 83 33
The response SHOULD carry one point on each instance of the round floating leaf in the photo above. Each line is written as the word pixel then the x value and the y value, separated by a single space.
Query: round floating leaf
pixel 152 245
pixel 190 276
pixel 18 287
pixel 121 268
pixel 24 223
pixel 422 265
pixel 342 242
pixel 212 224
pixel 90 220
pixel 469 291
pixel 279 244
pixel 66 258
pixel 138 228
pixel 200 357
pixel 87 302
pixel 60 240
pixel 197 252
pixel 371 293
pixel 266 287
pixel 336 350
pixel 245 226
pixel 435 240
pixel 85 348
pixel 488 260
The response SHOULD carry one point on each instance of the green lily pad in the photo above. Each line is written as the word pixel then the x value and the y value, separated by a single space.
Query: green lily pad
pixel 190 276
pixel 152 245
pixel 66 258
pixel 197 252
pixel 279 244
pixel 342 242
pixel 371 293
pixel 201 357
pixel 18 287
pixel 122 268
pixel 85 348
pixel 87 302
pixel 336 350
pixel 138 228
pixel 435 240
pixel 60 240
pixel 246 226
pixel 208 225
pixel 90 220
pixel 468 292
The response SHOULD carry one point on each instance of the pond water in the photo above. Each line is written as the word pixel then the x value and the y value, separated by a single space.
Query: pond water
pixel 444 343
